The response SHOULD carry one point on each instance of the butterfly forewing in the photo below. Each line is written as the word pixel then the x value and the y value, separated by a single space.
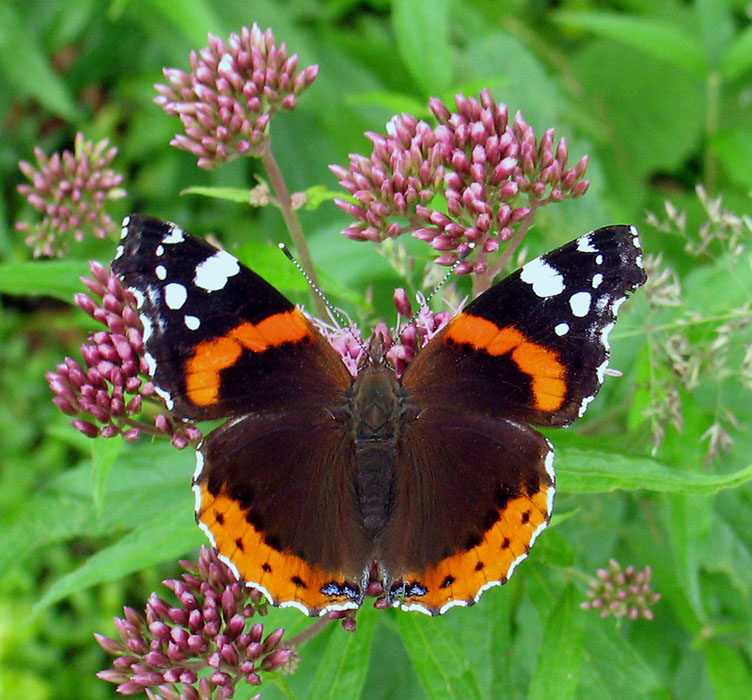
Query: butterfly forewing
pixel 535 346
pixel 219 339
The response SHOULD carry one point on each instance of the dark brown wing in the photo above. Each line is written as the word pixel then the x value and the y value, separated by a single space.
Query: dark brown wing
pixel 274 492
pixel 471 495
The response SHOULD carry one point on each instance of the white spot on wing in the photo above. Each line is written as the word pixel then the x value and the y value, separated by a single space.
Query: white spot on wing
pixel 550 500
pixel 484 588
pixel 601 371
pixel 199 466
pixel 148 327
pixel 601 304
pixel 138 296
pixel 151 364
pixel 638 261
pixel 598 259
pixel 604 335
pixel 192 323
pixel 514 564
pixel 561 328
pixel 635 237
pixel 165 396
pixel 176 235
pixel 545 280
pixel 617 304
pixel 161 272
pixel 119 252
pixel 548 463
pixel 159 251
pixel 585 245
pixel 212 274
pixel 175 295
pixel 583 406
pixel 597 279
pixel 580 304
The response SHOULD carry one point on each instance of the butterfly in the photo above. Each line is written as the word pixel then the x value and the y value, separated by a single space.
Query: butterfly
pixel 434 483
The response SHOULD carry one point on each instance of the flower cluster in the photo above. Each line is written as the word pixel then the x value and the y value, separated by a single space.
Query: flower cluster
pixel 458 185
pixel 163 651
pixel 228 98
pixel 413 334
pixel 70 190
pixel 622 593
pixel 113 385
pixel 717 360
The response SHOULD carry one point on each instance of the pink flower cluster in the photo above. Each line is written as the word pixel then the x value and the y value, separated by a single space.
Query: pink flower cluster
pixel 70 190
pixel 209 627
pixel 227 99
pixel 112 386
pixel 460 185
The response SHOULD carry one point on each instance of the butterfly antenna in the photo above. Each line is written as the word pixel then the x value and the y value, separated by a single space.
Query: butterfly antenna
pixel 334 312
pixel 441 283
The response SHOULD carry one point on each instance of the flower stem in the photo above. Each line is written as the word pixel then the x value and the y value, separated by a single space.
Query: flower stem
pixel 309 632
pixel 292 221
pixel 482 282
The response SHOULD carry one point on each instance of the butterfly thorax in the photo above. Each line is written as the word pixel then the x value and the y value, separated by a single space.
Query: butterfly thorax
pixel 376 401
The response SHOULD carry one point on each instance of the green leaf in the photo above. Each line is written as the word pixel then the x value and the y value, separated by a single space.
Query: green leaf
pixel 24 64
pixel 166 535
pixel 392 102
pixel 343 669
pixel 193 17
pixel 581 470
pixel 55 278
pixel 659 39
pixel 737 59
pixel 729 672
pixel 733 147
pixel 230 194
pixel 613 669
pixel 318 194
pixel 639 102
pixel 103 456
pixel 437 658
pixel 715 23
pixel 688 522
pixel 560 654
pixel 422 31
pixel 146 482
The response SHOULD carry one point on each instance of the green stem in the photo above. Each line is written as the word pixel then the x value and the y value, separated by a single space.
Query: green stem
pixel 292 222
pixel 309 632
pixel 712 124
pixel 485 281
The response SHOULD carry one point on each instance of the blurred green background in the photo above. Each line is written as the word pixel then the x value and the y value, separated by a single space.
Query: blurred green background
pixel 657 92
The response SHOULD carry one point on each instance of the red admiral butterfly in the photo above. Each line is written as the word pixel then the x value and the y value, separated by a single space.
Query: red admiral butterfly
pixel 433 482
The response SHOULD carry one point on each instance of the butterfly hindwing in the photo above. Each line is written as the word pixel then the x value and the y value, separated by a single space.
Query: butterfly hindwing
pixel 274 495
pixel 472 494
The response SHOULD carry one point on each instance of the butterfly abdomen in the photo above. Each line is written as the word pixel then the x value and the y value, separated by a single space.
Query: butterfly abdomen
pixel 376 405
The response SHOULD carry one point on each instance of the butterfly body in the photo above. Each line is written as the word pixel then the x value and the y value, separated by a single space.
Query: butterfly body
pixel 433 483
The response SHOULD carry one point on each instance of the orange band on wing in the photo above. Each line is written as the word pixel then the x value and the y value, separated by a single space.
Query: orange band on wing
pixel 203 369
pixel 462 576
pixel 283 576
pixel 538 362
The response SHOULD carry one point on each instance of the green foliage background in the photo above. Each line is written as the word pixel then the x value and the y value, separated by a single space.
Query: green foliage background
pixel 658 92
